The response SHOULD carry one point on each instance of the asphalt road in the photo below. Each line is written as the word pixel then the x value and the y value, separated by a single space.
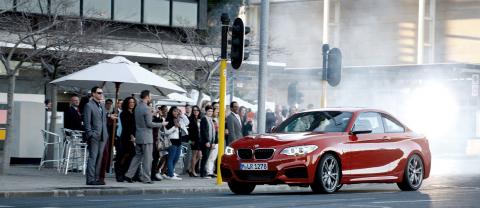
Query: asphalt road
pixel 438 191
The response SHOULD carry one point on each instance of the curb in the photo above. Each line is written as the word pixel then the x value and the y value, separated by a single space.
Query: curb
pixel 82 192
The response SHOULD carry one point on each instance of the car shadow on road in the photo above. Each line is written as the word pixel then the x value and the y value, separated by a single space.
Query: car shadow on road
pixel 307 192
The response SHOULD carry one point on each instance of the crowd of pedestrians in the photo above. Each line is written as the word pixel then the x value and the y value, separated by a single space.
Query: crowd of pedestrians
pixel 142 130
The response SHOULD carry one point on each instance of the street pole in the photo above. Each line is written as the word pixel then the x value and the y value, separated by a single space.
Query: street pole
pixel 262 71
pixel 232 85
pixel 323 102
pixel 223 80
pixel 325 47
pixel 421 30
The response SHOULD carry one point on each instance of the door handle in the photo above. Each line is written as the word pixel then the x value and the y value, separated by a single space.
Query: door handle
pixel 387 138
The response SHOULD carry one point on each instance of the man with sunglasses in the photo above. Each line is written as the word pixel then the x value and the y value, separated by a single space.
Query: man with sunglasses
pixel 95 121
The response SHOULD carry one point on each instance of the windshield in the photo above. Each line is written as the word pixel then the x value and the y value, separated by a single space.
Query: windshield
pixel 320 121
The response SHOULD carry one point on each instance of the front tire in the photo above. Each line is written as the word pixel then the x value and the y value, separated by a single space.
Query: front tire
pixel 413 174
pixel 241 188
pixel 327 176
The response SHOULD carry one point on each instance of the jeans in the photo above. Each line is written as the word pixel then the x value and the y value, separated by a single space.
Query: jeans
pixel 173 156
pixel 211 159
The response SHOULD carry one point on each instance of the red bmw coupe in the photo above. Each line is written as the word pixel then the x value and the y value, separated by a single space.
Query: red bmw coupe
pixel 327 148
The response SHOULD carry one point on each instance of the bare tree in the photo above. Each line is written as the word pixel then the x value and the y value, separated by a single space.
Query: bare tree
pixel 27 39
pixel 55 41
pixel 203 63
pixel 80 42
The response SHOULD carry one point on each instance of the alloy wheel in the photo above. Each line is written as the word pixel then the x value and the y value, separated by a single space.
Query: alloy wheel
pixel 415 172
pixel 330 174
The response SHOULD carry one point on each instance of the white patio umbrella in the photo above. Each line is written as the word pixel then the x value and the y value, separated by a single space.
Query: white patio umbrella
pixel 174 99
pixel 118 71
pixel 241 102
pixel 112 73
pixel 177 97
pixel 194 95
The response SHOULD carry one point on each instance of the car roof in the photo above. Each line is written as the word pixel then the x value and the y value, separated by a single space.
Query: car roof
pixel 347 109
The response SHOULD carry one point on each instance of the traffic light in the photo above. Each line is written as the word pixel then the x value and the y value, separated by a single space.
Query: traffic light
pixel 334 67
pixel 239 43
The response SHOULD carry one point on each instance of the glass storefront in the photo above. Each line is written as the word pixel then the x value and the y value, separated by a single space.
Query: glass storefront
pixel 98 9
pixel 6 4
pixel 184 14
pixel 156 12
pixel 175 13
pixel 38 7
pixel 127 11
pixel 65 7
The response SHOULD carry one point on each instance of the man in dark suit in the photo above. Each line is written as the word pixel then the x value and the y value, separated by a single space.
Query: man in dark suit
pixel 143 140
pixel 234 124
pixel 73 118
pixel 95 121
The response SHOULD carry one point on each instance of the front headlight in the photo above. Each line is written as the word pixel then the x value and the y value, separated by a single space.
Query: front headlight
pixel 229 151
pixel 299 150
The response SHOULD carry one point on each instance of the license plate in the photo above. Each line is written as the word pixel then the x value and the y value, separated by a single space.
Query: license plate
pixel 253 166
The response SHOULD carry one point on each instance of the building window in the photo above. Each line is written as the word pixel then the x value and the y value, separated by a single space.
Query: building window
pixel 29 6
pixel 184 13
pixel 65 7
pixel 127 10
pixel 156 12
pixel 6 4
pixel 100 9
pixel 3 71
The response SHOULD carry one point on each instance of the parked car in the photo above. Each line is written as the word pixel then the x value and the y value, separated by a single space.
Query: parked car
pixel 327 148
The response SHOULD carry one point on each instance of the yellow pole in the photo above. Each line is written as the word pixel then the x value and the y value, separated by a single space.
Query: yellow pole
pixel 223 91
pixel 221 130
pixel 323 101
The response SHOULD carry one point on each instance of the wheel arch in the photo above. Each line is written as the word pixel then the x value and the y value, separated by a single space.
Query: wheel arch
pixel 422 158
pixel 336 155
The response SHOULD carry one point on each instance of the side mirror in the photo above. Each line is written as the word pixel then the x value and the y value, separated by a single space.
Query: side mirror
pixel 362 131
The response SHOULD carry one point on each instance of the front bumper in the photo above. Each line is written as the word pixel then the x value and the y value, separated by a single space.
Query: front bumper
pixel 285 170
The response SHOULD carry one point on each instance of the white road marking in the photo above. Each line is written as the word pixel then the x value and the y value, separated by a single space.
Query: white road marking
pixel 459 187
pixel 100 200
pixel 370 193
pixel 409 201
pixel 161 199
pixel 363 205
pixel 339 200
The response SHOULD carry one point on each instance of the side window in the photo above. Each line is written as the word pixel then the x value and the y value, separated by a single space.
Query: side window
pixel 392 125
pixel 300 124
pixel 369 121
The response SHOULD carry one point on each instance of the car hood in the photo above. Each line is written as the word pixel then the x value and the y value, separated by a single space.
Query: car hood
pixel 279 139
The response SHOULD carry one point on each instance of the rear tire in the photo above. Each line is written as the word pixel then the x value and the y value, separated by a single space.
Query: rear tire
pixel 413 174
pixel 241 188
pixel 327 176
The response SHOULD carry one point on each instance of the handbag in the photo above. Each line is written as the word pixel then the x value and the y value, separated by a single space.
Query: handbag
pixel 163 143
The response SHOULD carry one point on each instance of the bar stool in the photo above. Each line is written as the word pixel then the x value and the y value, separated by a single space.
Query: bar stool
pixel 55 143
pixel 75 150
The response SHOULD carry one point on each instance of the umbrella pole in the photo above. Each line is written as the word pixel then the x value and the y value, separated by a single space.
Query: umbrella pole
pixel 115 111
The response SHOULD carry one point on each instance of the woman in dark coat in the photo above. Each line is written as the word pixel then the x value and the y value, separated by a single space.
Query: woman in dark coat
pixel 127 137
pixel 194 138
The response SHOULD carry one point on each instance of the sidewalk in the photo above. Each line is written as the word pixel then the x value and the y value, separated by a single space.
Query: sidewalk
pixel 28 181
